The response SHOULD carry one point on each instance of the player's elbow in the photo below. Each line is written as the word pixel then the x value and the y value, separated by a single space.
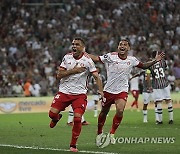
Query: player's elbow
pixel 59 76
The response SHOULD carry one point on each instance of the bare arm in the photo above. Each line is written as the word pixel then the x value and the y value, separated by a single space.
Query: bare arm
pixel 148 80
pixel 152 62
pixel 135 75
pixel 94 58
pixel 99 83
pixel 61 73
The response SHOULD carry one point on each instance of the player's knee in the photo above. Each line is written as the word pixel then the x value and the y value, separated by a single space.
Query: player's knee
pixel 78 112
pixel 119 113
pixel 77 120
pixel 52 115
pixel 105 111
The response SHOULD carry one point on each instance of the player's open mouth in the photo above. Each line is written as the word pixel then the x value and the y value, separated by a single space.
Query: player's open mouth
pixel 122 49
pixel 74 49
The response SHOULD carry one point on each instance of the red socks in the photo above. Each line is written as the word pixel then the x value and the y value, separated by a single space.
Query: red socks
pixel 54 116
pixel 101 121
pixel 76 130
pixel 135 103
pixel 116 122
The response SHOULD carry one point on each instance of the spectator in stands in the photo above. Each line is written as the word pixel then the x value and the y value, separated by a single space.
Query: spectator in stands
pixel 30 36
pixel 26 88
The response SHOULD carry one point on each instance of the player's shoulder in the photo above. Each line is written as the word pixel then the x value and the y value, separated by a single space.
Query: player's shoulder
pixel 69 54
pixel 131 57
pixel 114 53
pixel 86 55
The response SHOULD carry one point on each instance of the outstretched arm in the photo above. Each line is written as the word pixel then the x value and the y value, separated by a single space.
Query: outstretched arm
pixel 94 58
pixel 152 62
pixel 61 73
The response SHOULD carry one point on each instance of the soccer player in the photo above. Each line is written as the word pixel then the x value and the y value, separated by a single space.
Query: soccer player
pixel 118 66
pixel 134 88
pixel 73 74
pixel 161 88
pixel 147 91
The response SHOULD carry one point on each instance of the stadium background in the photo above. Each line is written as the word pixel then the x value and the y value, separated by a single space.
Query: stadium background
pixel 36 34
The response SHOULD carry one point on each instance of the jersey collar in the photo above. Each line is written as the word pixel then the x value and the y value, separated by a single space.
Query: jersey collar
pixel 121 57
pixel 79 56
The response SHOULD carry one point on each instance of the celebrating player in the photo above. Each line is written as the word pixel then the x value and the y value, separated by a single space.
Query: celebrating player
pixel 73 74
pixel 161 88
pixel 118 66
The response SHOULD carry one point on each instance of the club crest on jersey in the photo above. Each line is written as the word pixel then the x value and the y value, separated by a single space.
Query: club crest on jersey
pixel 105 56
pixel 82 65
pixel 128 63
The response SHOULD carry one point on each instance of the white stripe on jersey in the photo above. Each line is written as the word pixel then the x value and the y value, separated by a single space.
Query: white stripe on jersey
pixel 118 72
pixel 77 83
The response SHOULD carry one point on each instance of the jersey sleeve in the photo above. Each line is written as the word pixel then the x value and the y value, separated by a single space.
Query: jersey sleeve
pixel 136 62
pixel 91 66
pixel 105 58
pixel 63 63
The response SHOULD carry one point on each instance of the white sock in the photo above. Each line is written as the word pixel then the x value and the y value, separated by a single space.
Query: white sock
pixel 145 115
pixel 159 110
pixel 95 110
pixel 170 110
pixel 71 115
pixel 82 119
pixel 156 114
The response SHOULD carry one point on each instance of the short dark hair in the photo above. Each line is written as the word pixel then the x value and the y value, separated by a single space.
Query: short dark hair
pixel 127 40
pixel 80 39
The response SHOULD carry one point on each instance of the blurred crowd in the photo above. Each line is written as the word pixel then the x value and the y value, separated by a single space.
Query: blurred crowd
pixel 36 34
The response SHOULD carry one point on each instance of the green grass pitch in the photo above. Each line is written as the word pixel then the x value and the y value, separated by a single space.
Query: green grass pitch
pixel 32 130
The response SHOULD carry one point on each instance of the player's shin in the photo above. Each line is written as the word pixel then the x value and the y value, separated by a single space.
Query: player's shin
pixel 76 131
pixel 55 118
pixel 156 114
pixel 101 121
pixel 170 111
pixel 95 110
pixel 116 122
pixel 159 109
pixel 145 116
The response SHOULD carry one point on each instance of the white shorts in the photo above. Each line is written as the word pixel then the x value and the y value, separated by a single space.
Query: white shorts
pixel 162 94
pixel 147 97
pixel 95 97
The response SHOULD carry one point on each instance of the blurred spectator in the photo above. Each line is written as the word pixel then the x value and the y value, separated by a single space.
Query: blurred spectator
pixel 33 39
pixel 26 88
pixel 177 76
pixel 44 87
pixel 17 89
pixel 35 89
pixel 171 78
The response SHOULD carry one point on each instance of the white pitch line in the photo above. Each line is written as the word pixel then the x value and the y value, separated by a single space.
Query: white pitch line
pixel 52 149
